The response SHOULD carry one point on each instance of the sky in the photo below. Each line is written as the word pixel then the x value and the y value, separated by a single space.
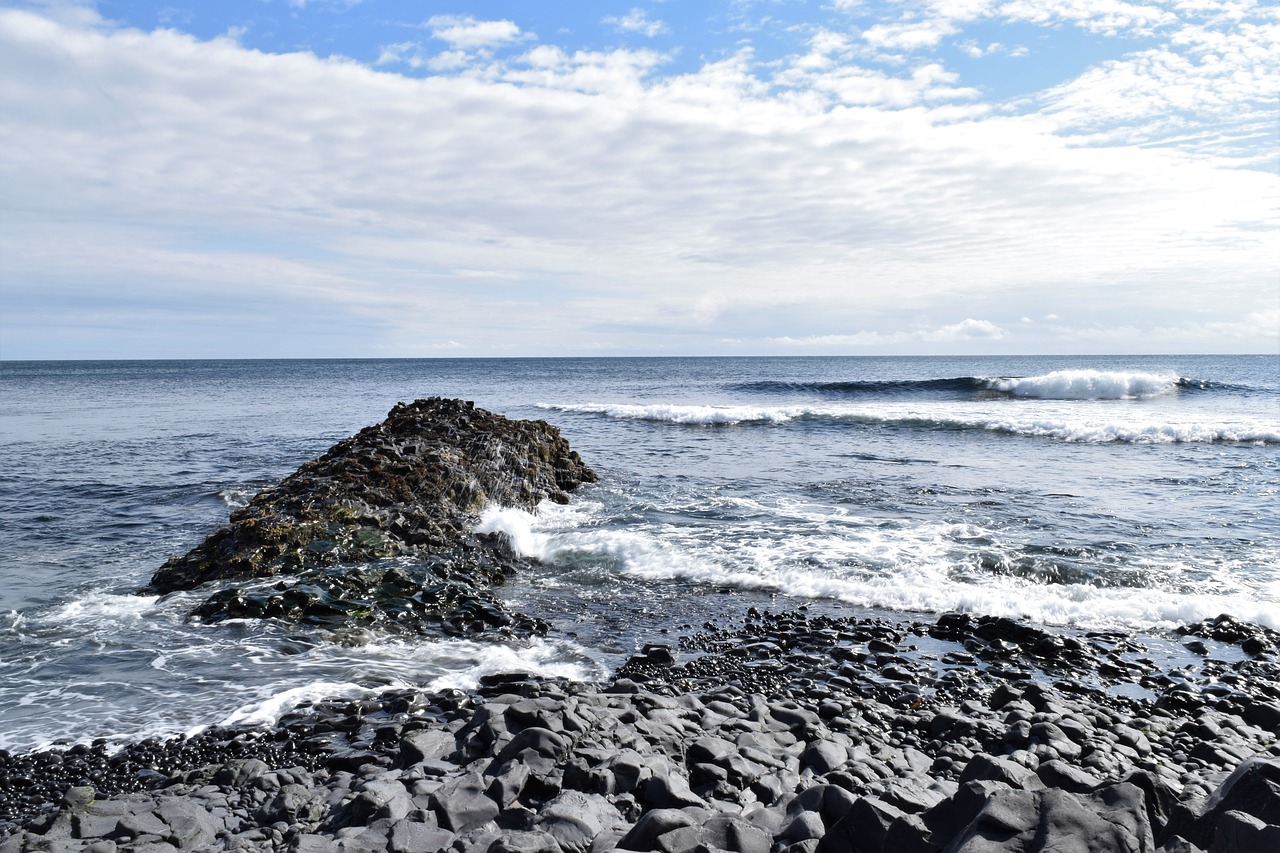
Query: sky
pixel 384 178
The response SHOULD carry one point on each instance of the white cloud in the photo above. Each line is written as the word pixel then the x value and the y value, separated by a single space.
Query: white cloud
pixel 908 36
pixel 570 196
pixel 637 21
pixel 969 329
pixel 466 33
pixel 1209 90
pixel 414 55
pixel 976 51
pixel 965 330
pixel 1109 17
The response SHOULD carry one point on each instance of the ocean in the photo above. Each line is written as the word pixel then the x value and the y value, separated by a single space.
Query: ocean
pixel 1128 493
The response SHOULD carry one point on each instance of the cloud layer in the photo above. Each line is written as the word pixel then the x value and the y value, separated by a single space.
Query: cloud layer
pixel 489 191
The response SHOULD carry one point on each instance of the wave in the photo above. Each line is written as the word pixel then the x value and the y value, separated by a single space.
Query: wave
pixel 959 384
pixel 1087 427
pixel 1093 385
pixel 1058 385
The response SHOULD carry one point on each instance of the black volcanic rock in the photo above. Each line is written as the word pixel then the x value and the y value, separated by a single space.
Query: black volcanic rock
pixel 410 487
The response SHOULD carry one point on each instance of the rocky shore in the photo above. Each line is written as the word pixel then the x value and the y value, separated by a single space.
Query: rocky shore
pixel 784 731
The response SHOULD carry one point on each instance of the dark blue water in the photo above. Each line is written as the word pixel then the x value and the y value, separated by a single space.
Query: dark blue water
pixel 1136 492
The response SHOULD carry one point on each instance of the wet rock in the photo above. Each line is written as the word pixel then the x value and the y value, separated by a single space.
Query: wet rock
pixel 412 486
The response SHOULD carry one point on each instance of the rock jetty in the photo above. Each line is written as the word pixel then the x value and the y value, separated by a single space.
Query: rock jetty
pixel 379 529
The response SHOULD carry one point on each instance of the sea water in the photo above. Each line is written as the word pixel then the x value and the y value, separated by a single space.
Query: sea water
pixel 1130 493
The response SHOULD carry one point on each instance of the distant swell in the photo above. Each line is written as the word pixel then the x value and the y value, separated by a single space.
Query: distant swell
pixel 960 384
pixel 1058 385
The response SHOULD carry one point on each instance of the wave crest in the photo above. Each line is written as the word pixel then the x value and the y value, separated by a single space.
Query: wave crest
pixel 1089 385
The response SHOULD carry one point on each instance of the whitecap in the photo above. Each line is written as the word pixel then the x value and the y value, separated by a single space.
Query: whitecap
pixel 1088 385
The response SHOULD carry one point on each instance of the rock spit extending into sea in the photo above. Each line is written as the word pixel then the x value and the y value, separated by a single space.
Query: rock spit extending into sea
pixel 786 731
pixel 410 487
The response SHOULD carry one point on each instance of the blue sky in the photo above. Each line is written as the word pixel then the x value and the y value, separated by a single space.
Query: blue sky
pixel 277 178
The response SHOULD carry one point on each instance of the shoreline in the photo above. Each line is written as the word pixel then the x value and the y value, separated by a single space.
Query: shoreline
pixel 785 732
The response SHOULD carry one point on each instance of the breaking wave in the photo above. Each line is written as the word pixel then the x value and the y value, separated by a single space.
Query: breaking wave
pixel 1092 385
pixel 1128 427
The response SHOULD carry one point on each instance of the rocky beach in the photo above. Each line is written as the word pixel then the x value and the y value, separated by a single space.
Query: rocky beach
pixel 787 730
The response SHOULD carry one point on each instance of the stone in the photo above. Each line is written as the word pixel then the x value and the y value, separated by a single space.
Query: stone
pixel 425 745
pixel 378 799
pixel 313 843
pixel 806 825
pixel 823 757
pixel 461 804
pixel 1052 820
pixel 655 823
pixel 142 823
pixel 525 841
pixel 542 741
pixel 412 486
pixel 736 835
pixel 411 837
pixel 863 827
pixel 1057 773
pixel 574 819
pixel 669 791
pixel 1240 832
pixel 1253 788
pixel 190 824
pixel 994 769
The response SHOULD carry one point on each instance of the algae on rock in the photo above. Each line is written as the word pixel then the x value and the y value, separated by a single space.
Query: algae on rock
pixel 403 495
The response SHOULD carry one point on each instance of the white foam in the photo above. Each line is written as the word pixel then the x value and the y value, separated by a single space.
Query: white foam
pixel 816 551
pixel 1088 385
pixel 236 498
pixel 517 526
pixel 267 710
pixel 442 664
pixel 472 661
pixel 1141 429
pixel 1060 420
pixel 99 608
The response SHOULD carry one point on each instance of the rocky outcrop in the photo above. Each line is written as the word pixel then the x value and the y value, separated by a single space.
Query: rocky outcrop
pixel 379 530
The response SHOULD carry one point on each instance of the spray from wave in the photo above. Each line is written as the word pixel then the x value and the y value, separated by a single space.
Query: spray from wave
pixel 907 567
pixel 1088 385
